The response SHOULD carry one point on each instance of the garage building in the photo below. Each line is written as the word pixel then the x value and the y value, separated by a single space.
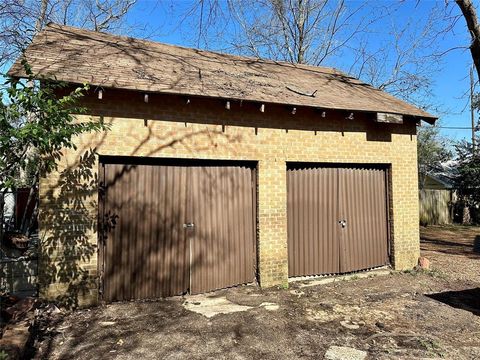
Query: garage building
pixel 219 170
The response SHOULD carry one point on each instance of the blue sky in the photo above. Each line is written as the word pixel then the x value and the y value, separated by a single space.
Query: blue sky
pixel 160 22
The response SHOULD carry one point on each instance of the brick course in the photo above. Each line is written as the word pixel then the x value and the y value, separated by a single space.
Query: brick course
pixel 168 127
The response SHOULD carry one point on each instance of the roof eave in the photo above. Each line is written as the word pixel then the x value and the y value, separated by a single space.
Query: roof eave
pixel 16 73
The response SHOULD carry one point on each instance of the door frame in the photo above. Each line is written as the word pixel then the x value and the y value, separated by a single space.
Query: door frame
pixel 165 161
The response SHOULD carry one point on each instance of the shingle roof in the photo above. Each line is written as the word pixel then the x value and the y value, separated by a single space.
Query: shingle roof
pixel 81 56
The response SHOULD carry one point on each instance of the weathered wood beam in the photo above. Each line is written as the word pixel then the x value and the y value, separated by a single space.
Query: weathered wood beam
pixel 389 118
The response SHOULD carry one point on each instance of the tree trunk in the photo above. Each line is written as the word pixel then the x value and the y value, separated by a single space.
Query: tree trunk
pixel 470 15
pixel 300 24
pixel 41 16
pixel 32 196
pixel 466 219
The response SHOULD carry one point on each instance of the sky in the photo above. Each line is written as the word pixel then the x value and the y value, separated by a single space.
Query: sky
pixel 159 21
pixel 165 21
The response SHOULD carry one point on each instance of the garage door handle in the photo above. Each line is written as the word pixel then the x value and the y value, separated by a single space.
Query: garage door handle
pixel 188 225
pixel 343 223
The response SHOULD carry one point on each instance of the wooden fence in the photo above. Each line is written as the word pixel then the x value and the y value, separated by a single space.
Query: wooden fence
pixel 436 206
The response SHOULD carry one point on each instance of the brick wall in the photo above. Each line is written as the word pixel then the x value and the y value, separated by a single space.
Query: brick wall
pixel 167 126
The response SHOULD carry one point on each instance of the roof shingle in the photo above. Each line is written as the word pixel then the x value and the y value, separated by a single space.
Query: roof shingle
pixel 81 56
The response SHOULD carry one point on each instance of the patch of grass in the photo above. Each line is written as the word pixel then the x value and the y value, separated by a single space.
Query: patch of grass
pixel 431 346
pixel 433 273
pixel 3 355
pixel 284 286
pixel 412 272
pixel 436 274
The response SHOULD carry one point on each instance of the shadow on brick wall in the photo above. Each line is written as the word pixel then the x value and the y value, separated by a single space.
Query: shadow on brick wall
pixel 67 220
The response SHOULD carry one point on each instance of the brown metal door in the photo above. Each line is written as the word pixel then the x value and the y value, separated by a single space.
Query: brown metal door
pixel 363 216
pixel 223 238
pixel 171 229
pixel 145 251
pixel 313 232
pixel 337 219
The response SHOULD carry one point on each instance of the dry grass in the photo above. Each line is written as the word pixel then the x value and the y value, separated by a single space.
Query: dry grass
pixel 453 250
pixel 404 315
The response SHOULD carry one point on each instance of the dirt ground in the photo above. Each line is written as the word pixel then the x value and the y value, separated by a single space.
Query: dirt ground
pixel 401 315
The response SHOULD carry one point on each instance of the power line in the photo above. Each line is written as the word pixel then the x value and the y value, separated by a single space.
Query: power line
pixel 453 127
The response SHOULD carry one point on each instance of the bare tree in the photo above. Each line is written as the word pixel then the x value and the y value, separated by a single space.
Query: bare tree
pixel 470 14
pixel 405 62
pixel 297 31
pixel 20 20
pixel 303 31
pixel 366 39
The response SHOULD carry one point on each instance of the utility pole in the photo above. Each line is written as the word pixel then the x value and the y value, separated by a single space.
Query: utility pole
pixel 472 110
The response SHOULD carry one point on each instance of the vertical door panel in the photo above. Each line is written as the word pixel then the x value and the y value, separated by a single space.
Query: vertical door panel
pixel 364 239
pixel 312 208
pixel 145 247
pixel 318 199
pixel 223 239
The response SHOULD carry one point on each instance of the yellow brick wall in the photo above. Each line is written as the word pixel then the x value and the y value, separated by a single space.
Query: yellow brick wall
pixel 167 126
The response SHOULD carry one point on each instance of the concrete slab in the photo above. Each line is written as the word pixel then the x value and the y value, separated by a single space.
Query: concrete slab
pixel 351 325
pixel 296 292
pixel 209 306
pixel 344 353
pixel 107 323
pixel 270 306
pixel 314 281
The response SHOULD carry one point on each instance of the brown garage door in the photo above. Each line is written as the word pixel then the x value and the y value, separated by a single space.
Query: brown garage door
pixel 171 229
pixel 337 219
